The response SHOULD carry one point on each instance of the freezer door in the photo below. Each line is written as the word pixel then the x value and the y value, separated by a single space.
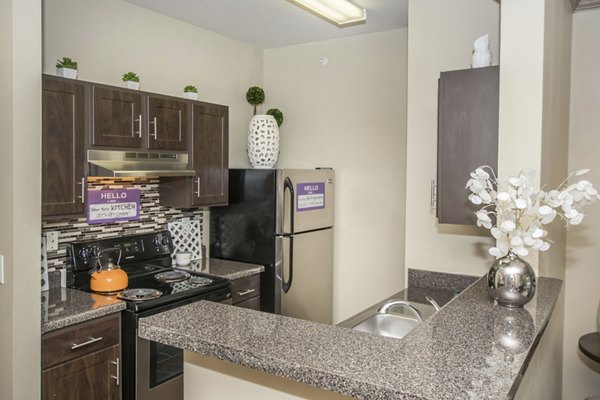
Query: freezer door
pixel 310 294
pixel 310 193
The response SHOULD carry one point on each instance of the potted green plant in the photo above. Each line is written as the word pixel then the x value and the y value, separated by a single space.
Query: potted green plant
pixel 263 132
pixel 66 68
pixel 131 80
pixel 255 96
pixel 277 114
pixel 190 92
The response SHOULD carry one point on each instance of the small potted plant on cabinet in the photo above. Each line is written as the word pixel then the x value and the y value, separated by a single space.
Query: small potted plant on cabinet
pixel 190 92
pixel 66 68
pixel 131 80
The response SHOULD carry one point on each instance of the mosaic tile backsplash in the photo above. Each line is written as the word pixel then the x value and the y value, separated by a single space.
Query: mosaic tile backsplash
pixel 152 217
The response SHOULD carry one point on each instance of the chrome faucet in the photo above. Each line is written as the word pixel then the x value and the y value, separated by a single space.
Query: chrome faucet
pixel 384 309
pixel 433 303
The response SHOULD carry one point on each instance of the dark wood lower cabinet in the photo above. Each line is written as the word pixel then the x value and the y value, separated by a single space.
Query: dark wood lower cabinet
pixel 82 361
pixel 245 292
pixel 93 377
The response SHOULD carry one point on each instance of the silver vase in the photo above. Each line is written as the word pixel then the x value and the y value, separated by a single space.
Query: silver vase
pixel 511 281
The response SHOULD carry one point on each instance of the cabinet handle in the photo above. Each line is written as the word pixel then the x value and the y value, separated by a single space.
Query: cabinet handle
pixel 197 192
pixel 82 196
pixel 246 292
pixel 117 377
pixel 139 120
pixel 92 340
pixel 153 122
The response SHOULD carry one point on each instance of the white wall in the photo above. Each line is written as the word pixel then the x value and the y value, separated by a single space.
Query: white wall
pixel 581 376
pixel 20 201
pixel 440 38
pixel 110 37
pixel 350 115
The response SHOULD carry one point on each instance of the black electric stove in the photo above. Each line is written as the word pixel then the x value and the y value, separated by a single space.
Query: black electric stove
pixel 150 370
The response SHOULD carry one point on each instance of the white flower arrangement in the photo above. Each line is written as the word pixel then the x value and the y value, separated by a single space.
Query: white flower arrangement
pixel 521 212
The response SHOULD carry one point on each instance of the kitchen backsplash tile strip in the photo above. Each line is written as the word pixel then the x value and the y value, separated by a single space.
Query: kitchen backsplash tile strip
pixel 152 217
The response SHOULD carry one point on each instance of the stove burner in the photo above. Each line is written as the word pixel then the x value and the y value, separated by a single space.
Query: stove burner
pixel 172 276
pixel 139 294
pixel 199 281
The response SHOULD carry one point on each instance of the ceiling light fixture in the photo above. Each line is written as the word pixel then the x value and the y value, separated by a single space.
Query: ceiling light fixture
pixel 341 13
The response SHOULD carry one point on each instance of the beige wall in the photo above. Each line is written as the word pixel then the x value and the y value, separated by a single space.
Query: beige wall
pixel 111 37
pixel 581 376
pixel 20 116
pixel 440 38
pixel 350 115
pixel 211 379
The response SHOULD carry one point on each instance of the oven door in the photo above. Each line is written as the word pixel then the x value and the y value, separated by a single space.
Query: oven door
pixel 159 371
pixel 156 370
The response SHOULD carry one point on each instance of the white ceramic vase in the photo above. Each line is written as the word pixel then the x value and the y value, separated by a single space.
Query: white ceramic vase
pixel 131 85
pixel 67 73
pixel 263 141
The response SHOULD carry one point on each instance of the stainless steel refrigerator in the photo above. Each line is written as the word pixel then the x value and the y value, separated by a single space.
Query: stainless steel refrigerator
pixel 282 219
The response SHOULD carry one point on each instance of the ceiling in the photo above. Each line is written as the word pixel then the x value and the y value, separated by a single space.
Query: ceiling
pixel 276 23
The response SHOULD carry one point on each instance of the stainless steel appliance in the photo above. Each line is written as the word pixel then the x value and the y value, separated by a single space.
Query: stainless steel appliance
pixel 282 219
pixel 150 370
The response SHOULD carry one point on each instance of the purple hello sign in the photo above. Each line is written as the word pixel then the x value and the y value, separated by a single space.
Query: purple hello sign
pixel 105 206
pixel 310 196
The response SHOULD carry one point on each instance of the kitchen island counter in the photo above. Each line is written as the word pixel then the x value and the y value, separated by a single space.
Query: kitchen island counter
pixel 63 307
pixel 471 349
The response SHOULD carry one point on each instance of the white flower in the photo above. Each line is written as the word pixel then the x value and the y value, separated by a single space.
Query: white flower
pixel 577 219
pixel 503 196
pixel 521 211
pixel 475 199
pixel 508 226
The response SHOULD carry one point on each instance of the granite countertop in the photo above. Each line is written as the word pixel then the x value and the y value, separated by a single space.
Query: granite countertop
pixel 63 307
pixel 471 349
pixel 223 268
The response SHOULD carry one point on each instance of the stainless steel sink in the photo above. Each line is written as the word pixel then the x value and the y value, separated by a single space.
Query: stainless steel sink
pixel 388 325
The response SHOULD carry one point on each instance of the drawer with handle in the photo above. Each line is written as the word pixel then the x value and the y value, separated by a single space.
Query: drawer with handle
pixel 245 288
pixel 69 343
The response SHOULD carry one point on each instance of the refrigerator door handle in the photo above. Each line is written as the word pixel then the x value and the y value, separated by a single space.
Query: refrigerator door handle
pixel 286 285
pixel 287 185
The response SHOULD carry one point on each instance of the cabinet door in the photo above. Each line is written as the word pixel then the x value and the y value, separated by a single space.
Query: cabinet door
pixel 167 123
pixel 93 377
pixel 467 137
pixel 117 120
pixel 211 154
pixel 63 147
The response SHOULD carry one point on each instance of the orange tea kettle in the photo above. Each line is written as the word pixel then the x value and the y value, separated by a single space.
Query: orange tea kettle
pixel 108 278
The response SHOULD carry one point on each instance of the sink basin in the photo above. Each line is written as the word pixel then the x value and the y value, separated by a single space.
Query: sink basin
pixel 387 325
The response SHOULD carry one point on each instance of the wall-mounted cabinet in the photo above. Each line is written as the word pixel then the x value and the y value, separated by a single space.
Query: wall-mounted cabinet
pixel 78 116
pixel 467 137
pixel 129 119
pixel 63 147
pixel 210 186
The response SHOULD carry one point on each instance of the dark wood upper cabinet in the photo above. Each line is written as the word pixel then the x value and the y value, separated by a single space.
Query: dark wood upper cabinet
pixel 167 123
pixel 117 118
pixel 210 155
pixel 63 147
pixel 467 137
pixel 210 159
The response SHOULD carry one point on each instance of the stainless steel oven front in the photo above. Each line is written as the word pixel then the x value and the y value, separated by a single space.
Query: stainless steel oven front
pixel 152 370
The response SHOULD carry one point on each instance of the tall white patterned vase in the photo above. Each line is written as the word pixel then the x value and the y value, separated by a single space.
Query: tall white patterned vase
pixel 263 141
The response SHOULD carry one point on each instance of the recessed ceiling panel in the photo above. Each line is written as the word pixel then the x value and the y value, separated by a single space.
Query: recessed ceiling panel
pixel 275 23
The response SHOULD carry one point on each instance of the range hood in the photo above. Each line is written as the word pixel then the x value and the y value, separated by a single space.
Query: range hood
pixel 131 163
